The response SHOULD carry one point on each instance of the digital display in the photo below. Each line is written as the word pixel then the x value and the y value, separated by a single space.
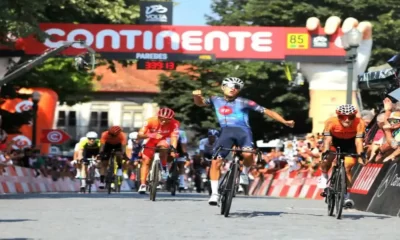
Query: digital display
pixel 155 65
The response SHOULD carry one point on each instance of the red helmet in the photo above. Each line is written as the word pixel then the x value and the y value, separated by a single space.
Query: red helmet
pixel 166 113
pixel 115 130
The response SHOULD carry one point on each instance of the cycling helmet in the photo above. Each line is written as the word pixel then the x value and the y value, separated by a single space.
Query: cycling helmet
pixel 233 80
pixel 213 132
pixel 133 135
pixel 92 135
pixel 166 113
pixel 346 109
pixel 115 130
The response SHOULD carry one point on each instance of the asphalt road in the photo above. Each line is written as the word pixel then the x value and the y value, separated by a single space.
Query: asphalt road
pixel 185 216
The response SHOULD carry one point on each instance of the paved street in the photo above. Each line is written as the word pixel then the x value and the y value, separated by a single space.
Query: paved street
pixel 186 216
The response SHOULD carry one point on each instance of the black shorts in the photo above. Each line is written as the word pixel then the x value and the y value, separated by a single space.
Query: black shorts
pixel 230 136
pixel 108 149
pixel 345 145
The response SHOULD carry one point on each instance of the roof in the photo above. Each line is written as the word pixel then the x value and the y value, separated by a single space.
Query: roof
pixel 129 79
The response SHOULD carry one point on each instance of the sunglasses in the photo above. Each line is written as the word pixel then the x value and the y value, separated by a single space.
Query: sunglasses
pixel 233 85
pixel 91 139
pixel 164 119
pixel 345 117
pixel 393 121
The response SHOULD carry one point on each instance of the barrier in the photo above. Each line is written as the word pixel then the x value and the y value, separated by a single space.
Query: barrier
pixel 17 179
pixel 295 184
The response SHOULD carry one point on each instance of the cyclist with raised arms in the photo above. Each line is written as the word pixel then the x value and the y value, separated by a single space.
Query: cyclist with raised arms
pixel 233 116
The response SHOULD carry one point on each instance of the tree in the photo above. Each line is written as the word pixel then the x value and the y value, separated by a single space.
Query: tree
pixel 265 82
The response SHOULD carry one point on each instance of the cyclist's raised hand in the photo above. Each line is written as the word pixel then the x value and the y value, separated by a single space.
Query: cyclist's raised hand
pixel 289 123
pixel 197 93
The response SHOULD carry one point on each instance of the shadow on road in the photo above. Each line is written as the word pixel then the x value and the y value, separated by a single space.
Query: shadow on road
pixel 360 216
pixel 16 238
pixel 267 214
pixel 98 195
pixel 14 220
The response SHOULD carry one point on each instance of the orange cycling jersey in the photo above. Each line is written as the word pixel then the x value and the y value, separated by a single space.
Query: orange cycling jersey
pixel 113 140
pixel 334 128
pixel 153 125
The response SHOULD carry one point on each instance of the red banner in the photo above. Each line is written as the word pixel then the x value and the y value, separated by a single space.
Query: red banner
pixel 54 136
pixel 198 42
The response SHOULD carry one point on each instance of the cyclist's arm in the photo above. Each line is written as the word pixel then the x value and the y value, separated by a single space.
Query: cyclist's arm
pixel 175 135
pixel 202 147
pixel 327 136
pixel 201 101
pixel 81 148
pixel 144 131
pixel 123 140
pixel 129 148
pixel 103 140
pixel 274 115
pixel 360 137
pixel 184 141
pixel 268 112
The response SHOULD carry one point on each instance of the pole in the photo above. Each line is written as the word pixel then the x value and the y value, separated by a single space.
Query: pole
pixel 34 122
pixel 351 54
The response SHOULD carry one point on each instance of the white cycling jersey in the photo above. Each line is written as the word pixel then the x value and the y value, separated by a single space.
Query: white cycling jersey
pixel 206 147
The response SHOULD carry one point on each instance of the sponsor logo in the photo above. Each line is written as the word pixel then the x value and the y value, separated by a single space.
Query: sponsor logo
pixel 156 14
pixel 172 40
pixel 21 142
pixel 152 56
pixel 319 41
pixel 225 110
pixel 23 106
pixel 366 178
pixel 54 137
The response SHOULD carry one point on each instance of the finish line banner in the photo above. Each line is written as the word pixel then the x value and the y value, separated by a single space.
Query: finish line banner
pixel 177 43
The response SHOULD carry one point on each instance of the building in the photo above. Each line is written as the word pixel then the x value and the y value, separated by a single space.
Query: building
pixel 124 98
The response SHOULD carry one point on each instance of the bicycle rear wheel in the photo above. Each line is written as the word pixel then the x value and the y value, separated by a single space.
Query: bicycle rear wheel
pixel 231 188
pixel 154 180
pixel 223 192
pixel 340 190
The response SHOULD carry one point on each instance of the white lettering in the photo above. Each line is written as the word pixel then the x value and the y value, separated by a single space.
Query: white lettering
pixel 240 37
pixel 259 40
pixel 54 31
pixel 395 181
pixel 115 38
pixel 148 40
pixel 130 37
pixel 160 37
pixel 89 39
pixel 152 56
pixel 190 38
pixel 211 36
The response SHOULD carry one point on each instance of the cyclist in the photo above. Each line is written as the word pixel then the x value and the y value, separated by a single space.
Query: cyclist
pixel 183 158
pixel 89 147
pixel 112 139
pixel 155 131
pixel 346 131
pixel 233 116
pixel 134 147
pixel 207 144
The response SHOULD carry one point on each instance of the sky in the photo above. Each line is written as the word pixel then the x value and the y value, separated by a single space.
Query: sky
pixel 191 12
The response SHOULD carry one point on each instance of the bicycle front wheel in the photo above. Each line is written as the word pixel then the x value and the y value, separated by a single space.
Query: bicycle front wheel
pixel 155 169
pixel 340 190
pixel 231 188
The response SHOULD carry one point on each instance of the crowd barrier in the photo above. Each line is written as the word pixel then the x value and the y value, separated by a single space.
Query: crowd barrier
pixel 22 180
pixel 376 187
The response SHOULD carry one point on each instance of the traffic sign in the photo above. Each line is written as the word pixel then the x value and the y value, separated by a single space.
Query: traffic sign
pixel 54 136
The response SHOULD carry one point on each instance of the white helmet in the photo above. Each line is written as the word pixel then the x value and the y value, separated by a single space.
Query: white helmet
pixel 346 109
pixel 133 135
pixel 92 135
pixel 233 80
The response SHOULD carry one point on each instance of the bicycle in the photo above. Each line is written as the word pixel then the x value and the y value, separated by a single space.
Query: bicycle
pixel 230 181
pixel 137 171
pixel 154 176
pixel 90 174
pixel 173 177
pixel 111 174
pixel 337 184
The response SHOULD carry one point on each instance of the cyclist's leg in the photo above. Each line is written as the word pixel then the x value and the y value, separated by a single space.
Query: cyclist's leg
pixel 83 172
pixel 325 166
pixel 147 157
pixel 245 141
pixel 225 140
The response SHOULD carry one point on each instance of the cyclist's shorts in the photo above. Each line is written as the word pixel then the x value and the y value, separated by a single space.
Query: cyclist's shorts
pixel 240 137
pixel 346 145
pixel 109 147
pixel 136 157
pixel 153 143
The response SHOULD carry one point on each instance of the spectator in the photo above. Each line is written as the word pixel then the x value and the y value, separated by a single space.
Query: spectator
pixel 392 134
pixel 367 116
pixel 379 138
